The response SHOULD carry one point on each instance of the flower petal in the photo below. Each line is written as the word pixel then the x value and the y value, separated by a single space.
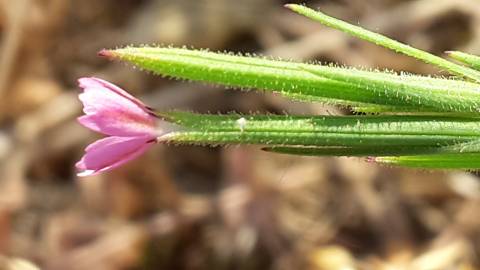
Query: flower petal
pixel 93 82
pixel 111 152
pixel 112 111
pixel 117 123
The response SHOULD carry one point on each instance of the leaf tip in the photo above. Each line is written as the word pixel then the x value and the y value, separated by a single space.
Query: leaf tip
pixel 371 159
pixel 105 53
pixel 293 7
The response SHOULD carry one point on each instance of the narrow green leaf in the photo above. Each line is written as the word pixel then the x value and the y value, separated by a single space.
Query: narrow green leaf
pixel 461 148
pixel 465 161
pixel 354 151
pixel 242 72
pixel 425 93
pixel 404 110
pixel 469 59
pixel 385 42
pixel 343 86
pixel 343 131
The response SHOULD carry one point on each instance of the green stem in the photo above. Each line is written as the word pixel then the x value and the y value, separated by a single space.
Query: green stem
pixel 385 42
pixel 469 59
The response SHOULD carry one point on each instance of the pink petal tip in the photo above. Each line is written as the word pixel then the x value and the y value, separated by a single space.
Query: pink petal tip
pixel 111 152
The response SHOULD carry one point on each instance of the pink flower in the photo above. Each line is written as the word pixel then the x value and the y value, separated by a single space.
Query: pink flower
pixel 130 125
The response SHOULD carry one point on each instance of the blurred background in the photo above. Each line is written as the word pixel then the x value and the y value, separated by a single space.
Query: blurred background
pixel 216 208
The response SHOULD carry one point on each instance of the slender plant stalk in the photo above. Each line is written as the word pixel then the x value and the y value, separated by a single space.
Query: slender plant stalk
pixel 386 42
pixel 468 59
